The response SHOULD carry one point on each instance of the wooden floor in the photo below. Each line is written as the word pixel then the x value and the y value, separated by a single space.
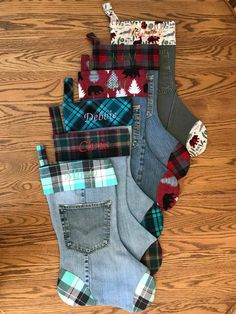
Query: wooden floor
pixel 41 43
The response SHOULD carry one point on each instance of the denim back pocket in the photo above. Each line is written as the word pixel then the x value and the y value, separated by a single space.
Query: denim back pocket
pixel 86 226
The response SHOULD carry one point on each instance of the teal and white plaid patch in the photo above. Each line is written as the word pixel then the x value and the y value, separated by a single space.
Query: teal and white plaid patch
pixel 72 290
pixel 144 293
pixel 75 175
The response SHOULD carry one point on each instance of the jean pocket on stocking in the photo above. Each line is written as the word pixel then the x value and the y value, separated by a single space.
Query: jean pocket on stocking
pixel 86 226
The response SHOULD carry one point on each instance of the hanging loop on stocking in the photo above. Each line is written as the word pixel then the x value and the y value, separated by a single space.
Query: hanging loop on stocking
pixel 68 90
pixel 42 156
pixel 93 38
pixel 107 8
pixel 56 120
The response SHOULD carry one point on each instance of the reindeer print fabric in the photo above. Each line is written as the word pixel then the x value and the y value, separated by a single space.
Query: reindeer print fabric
pixel 139 31
pixel 143 32
pixel 112 83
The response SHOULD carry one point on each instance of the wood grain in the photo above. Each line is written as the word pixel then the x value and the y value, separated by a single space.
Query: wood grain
pixel 40 43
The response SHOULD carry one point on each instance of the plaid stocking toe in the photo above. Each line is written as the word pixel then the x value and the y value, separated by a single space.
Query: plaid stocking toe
pixel 72 290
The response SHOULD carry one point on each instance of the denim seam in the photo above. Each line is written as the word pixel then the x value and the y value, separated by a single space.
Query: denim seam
pixel 141 161
pixel 86 270
pixel 136 128
pixel 171 87
pixel 171 111
pixel 150 103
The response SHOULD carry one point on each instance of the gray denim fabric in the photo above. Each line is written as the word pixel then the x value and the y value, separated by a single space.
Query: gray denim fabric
pixel 174 115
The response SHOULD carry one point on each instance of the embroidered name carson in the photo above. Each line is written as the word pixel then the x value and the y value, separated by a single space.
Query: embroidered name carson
pixel 88 146
pixel 99 116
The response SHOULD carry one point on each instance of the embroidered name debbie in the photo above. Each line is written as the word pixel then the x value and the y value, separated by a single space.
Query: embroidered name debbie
pixel 88 146
pixel 99 116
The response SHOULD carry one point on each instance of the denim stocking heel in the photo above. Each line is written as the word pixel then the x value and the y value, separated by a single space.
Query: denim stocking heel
pixel 95 267
pixel 174 115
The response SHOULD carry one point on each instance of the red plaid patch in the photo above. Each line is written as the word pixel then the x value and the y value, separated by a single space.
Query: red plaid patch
pixel 179 161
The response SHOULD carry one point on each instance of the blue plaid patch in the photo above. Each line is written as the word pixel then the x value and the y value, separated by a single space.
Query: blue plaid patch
pixel 97 113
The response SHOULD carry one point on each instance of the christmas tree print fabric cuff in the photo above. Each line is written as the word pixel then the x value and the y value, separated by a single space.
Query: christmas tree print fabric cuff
pixel 127 56
pixel 91 144
pixel 70 176
pixel 94 113
pixel 139 32
pixel 112 83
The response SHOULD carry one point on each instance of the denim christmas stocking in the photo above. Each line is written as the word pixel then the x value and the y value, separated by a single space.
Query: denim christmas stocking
pixel 95 267
pixel 173 113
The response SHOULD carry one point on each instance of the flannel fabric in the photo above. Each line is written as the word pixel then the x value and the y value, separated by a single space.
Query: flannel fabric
pixel 101 143
pixel 179 161
pixel 42 156
pixel 112 83
pixel 128 56
pixel 136 31
pixel 98 113
pixel 69 176
pixel 144 293
pixel 153 220
pixel 90 144
pixel 153 257
pixel 72 289
pixel 95 113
